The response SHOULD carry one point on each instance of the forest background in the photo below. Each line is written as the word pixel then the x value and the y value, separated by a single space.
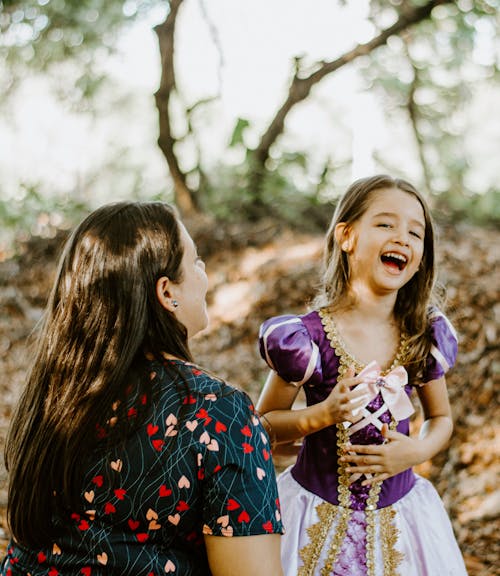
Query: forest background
pixel 253 117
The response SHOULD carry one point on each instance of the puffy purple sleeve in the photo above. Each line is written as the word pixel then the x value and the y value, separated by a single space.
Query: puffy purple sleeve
pixel 287 347
pixel 444 347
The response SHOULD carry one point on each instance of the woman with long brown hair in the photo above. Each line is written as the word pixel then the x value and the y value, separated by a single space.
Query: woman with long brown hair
pixel 125 457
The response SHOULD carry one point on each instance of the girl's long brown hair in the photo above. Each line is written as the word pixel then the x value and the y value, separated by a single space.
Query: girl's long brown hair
pixel 413 299
pixel 101 317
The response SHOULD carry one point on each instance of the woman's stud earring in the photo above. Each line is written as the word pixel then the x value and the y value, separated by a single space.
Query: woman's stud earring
pixel 175 303
pixel 345 246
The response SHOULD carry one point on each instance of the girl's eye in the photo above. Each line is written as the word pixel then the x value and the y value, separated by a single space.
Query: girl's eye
pixel 416 234
pixel 384 225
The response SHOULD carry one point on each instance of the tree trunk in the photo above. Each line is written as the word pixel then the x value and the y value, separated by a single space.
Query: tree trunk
pixel 185 198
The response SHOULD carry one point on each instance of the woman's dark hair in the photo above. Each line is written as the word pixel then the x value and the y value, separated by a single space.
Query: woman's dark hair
pixel 102 317
pixel 413 300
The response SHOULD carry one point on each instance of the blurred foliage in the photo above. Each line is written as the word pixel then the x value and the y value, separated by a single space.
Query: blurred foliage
pixel 34 214
pixel 429 73
pixel 477 208
pixel 44 34
pixel 426 73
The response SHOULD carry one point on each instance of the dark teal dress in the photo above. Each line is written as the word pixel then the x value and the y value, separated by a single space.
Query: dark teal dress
pixel 199 464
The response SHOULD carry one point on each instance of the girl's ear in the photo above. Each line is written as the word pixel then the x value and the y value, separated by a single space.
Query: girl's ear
pixel 164 294
pixel 344 237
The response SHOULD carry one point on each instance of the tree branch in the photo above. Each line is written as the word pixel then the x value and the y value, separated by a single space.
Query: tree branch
pixel 413 113
pixel 301 87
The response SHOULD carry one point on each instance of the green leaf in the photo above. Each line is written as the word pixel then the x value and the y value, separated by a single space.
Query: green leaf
pixel 237 136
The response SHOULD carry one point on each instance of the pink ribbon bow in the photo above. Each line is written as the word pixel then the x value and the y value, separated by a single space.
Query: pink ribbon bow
pixel 391 386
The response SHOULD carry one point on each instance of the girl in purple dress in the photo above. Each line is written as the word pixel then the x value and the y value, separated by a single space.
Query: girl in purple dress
pixel 351 503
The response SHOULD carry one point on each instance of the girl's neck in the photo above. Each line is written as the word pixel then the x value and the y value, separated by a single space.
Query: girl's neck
pixel 367 307
pixel 367 329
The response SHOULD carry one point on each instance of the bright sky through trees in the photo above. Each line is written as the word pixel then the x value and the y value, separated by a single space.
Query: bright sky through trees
pixel 241 52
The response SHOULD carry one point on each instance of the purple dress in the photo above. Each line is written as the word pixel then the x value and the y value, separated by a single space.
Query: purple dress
pixel 334 525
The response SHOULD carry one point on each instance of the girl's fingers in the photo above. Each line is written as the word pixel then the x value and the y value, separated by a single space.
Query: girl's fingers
pixel 350 372
pixel 374 479
pixel 368 469
pixel 355 381
pixel 358 401
pixel 362 449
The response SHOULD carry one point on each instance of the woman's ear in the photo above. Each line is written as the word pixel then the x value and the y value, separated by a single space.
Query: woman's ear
pixel 344 237
pixel 164 294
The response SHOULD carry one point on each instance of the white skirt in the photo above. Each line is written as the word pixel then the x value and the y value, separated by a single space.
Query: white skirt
pixel 425 535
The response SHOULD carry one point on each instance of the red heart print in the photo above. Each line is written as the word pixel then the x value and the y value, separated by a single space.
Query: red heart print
pixel 109 508
pixel 243 517
pixel 84 525
pixel 220 427
pixel 268 527
pixel 158 444
pixel 164 491
pixel 152 429
pixel 98 480
pixel 246 431
pixel 232 504
pixel 120 493
pixel 182 506
pixel 133 524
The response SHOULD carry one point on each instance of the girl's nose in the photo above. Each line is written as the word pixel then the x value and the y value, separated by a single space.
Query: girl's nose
pixel 402 237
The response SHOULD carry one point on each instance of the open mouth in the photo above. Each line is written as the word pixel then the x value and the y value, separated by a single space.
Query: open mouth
pixel 394 260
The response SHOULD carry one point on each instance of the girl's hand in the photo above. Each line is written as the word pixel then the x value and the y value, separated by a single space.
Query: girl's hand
pixel 396 454
pixel 342 403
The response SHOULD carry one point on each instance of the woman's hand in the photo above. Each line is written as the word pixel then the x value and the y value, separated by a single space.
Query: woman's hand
pixel 343 403
pixel 396 454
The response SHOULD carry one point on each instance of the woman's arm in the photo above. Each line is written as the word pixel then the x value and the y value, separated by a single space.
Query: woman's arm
pixel 399 452
pixel 244 555
pixel 286 425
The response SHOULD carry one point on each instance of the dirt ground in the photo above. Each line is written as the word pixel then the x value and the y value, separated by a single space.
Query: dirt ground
pixel 264 271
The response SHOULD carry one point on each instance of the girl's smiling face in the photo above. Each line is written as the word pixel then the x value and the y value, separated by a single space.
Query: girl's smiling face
pixel 386 244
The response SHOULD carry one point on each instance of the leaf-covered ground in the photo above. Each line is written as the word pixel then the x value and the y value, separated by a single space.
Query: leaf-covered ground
pixel 261 271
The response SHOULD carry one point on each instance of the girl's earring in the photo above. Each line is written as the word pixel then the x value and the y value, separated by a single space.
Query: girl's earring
pixel 175 303
pixel 345 246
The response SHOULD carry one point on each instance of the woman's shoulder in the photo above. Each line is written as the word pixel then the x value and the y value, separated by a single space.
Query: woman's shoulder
pixel 190 376
pixel 196 386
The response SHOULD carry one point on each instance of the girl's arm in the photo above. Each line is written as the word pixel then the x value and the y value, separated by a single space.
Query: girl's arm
pixel 244 555
pixel 400 452
pixel 286 425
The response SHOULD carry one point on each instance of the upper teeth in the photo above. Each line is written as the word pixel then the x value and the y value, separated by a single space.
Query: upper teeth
pixel 395 255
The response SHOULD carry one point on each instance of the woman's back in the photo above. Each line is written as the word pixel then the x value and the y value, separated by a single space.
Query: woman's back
pixel 193 467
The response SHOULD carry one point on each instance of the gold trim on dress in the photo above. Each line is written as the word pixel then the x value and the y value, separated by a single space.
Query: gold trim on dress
pixel 328 513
